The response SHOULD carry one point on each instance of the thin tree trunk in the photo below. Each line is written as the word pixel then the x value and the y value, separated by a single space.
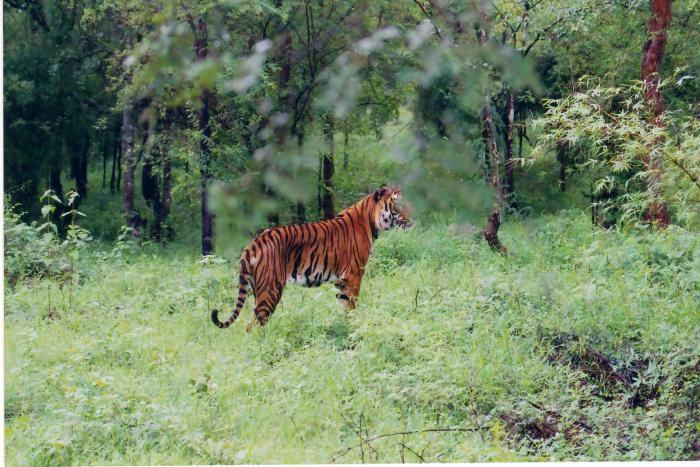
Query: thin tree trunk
pixel 494 220
pixel 83 184
pixel 119 168
pixel 78 162
pixel 562 158
pixel 115 155
pixel 657 212
pixel 55 181
pixel 150 188
pixel 113 177
pixel 57 187
pixel 301 209
pixel 167 195
pixel 103 149
pixel 149 177
pixel 328 168
pixel 128 153
pixel 509 184
pixel 285 51
pixel 521 132
pixel 346 135
pixel 281 130
pixel 201 50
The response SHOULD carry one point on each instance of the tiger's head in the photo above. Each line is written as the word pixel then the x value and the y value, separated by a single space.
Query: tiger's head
pixel 389 212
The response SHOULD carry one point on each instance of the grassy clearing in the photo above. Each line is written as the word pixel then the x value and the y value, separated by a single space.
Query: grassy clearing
pixel 581 345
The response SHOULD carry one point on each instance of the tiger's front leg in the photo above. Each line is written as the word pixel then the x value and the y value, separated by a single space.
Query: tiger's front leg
pixel 349 289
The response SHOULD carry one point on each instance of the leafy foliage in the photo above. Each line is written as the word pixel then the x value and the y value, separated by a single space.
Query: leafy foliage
pixel 35 250
pixel 614 135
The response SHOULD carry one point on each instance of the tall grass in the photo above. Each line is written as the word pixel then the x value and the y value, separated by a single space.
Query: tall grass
pixel 446 335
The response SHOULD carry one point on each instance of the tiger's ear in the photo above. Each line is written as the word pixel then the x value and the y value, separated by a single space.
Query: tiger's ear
pixel 396 193
pixel 381 191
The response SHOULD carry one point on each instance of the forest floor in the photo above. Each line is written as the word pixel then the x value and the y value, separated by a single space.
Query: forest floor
pixel 582 344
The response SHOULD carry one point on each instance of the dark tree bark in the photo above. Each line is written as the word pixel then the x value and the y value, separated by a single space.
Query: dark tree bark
pixel 166 196
pixel 201 50
pixel 285 104
pixel 494 220
pixel 149 176
pixel 83 185
pixel 300 216
pixel 157 170
pixel 300 208
pixel 119 169
pixel 57 187
pixel 103 148
pixel 346 135
pixel 328 168
pixel 150 184
pixel 132 218
pixel 79 157
pixel 660 21
pixel 55 181
pixel 115 156
pixel 563 162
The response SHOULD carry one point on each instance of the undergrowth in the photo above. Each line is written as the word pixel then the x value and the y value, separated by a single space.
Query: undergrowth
pixel 581 345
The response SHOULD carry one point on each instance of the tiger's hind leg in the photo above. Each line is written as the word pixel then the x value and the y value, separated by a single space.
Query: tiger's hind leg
pixel 265 304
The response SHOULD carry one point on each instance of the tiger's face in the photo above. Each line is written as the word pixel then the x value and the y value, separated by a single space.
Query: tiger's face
pixel 389 211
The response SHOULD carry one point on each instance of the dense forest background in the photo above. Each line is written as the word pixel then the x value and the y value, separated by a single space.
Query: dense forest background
pixel 544 307
pixel 256 113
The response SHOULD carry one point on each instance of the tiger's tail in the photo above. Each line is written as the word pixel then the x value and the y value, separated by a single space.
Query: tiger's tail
pixel 244 280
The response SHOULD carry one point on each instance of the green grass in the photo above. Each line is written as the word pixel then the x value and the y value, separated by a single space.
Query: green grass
pixel 128 369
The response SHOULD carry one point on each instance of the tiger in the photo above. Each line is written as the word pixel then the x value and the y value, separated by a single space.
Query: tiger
pixel 336 249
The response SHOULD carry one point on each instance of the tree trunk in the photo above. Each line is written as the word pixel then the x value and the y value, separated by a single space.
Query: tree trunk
pixel 150 188
pixel 508 184
pixel 149 177
pixel 346 135
pixel 119 167
pixel 83 184
pixel 201 50
pixel 328 169
pixel 562 158
pixel 113 177
pixel 115 155
pixel 132 219
pixel 285 104
pixel 494 220
pixel 78 159
pixel 301 209
pixel 57 187
pixel 660 21
pixel 55 180
pixel 167 195
pixel 104 150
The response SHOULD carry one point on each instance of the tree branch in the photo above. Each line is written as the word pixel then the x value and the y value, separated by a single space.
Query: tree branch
pixel 677 163
pixel 398 433
pixel 429 16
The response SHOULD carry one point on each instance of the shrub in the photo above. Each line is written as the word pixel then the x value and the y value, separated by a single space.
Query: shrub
pixel 36 250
